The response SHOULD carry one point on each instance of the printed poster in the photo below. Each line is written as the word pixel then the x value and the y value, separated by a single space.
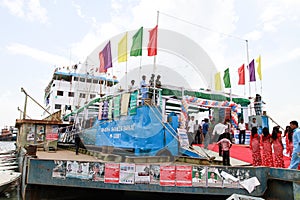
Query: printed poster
pixel 167 175
pixel 133 103
pixel 111 173
pixel 199 175
pixel 154 174
pixel 142 174
pixel 127 173
pixel 183 137
pixel 125 103
pixel 59 171
pixel 117 106
pixel 96 171
pixel 183 175
pixel 214 178
pixel 77 170
pixel 230 175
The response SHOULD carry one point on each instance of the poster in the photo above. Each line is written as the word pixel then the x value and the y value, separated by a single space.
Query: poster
pixel 214 178
pixel 127 173
pixel 77 169
pixel 154 173
pixel 183 175
pixel 199 174
pixel 59 170
pixel 96 171
pixel 142 174
pixel 111 173
pixel 183 137
pixel 167 175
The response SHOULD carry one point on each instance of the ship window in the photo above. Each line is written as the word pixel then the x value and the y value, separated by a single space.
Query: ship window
pixel 95 81
pixel 82 79
pixel 71 94
pixel 57 106
pixel 92 96
pixel 60 93
pixel 88 80
pixel 82 95
pixel 75 78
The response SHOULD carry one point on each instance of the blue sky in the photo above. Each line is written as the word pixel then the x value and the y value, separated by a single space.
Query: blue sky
pixel 37 36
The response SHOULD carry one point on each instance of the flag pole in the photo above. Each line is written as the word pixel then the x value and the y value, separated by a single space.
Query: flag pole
pixel 247 48
pixel 154 59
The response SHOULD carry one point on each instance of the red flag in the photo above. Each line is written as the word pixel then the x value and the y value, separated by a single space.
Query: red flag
pixel 152 45
pixel 241 72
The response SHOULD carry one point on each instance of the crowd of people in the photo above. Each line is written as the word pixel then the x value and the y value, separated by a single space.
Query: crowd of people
pixel 266 146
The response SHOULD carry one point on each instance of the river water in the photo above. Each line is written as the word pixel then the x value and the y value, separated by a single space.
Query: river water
pixel 13 192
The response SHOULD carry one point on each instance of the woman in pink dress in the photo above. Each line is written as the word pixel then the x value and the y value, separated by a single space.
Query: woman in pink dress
pixel 278 147
pixel 255 147
pixel 267 156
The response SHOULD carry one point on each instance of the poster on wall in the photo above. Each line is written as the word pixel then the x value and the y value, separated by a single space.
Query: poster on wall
pixel 40 133
pixel 59 169
pixel 199 174
pixel 183 137
pixel 82 171
pixel 96 171
pixel 127 173
pixel 52 132
pixel 111 173
pixel 30 133
pixel 167 175
pixel 142 174
pixel 183 175
pixel 214 178
pixel 154 173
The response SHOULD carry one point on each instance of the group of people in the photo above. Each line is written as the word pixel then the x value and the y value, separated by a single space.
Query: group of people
pixel 146 89
pixel 267 148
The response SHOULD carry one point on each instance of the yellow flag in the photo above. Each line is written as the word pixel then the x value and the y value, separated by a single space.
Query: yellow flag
pixel 258 60
pixel 218 83
pixel 122 49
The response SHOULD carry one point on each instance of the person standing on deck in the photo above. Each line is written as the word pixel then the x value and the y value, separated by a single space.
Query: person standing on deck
pixel 255 147
pixel 277 147
pixel 144 89
pixel 77 142
pixel 267 155
pixel 225 144
pixel 205 128
pixel 295 161
pixel 242 131
pixel 191 129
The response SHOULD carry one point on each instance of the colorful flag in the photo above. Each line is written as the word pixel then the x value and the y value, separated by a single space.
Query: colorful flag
pixel 152 45
pixel 218 84
pixel 137 42
pixel 241 72
pixel 105 58
pixel 226 78
pixel 252 71
pixel 258 60
pixel 122 49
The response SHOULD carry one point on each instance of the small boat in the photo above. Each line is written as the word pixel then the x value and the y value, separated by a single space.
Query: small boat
pixel 7 178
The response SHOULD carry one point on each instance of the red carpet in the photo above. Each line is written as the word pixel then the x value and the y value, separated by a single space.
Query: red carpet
pixel 243 152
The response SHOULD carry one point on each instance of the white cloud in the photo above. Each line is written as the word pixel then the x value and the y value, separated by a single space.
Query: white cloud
pixel 30 10
pixel 37 54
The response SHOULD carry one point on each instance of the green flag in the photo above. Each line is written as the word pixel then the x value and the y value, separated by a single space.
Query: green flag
pixel 226 78
pixel 137 42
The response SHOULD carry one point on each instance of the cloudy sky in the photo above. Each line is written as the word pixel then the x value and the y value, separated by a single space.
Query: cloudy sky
pixel 37 36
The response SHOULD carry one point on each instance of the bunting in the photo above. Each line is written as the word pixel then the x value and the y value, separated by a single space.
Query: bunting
pixel 252 71
pixel 241 72
pixel 122 49
pixel 218 84
pixel 152 45
pixel 137 42
pixel 226 78
pixel 258 60
pixel 105 58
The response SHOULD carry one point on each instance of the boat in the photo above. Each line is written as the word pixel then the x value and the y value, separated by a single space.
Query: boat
pixel 7 178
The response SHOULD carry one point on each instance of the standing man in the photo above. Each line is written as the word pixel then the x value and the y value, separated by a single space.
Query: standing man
pixel 77 142
pixel 242 132
pixel 205 127
pixel 191 129
pixel 295 161
pixel 144 89
pixel 253 123
pixel 225 144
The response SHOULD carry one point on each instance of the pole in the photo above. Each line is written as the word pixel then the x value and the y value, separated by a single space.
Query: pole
pixel 247 48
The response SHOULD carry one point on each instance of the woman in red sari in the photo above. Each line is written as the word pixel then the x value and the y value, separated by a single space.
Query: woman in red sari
pixel 287 141
pixel 278 147
pixel 255 147
pixel 267 156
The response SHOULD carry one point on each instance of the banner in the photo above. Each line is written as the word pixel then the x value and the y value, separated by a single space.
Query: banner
pixel 133 103
pixel 117 106
pixel 125 103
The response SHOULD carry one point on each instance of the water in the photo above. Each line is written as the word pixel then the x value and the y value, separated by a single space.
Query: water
pixel 12 192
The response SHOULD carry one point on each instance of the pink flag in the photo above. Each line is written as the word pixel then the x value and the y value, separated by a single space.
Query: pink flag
pixel 152 45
